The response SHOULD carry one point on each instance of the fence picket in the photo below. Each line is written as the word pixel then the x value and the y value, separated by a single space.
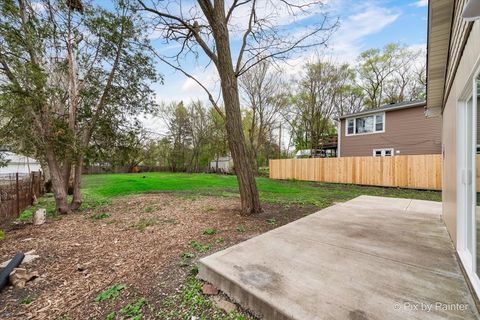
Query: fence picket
pixel 409 171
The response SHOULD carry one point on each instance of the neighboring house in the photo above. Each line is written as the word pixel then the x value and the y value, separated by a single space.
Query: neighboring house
pixel 222 164
pixel 453 93
pixel 18 163
pixel 395 129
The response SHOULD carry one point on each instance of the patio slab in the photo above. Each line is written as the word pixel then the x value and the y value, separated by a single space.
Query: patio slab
pixel 368 258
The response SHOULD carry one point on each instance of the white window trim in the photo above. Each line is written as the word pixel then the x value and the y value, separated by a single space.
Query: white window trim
pixel 365 133
pixel 383 151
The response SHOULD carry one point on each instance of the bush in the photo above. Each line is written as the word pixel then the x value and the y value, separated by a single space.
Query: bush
pixel 264 172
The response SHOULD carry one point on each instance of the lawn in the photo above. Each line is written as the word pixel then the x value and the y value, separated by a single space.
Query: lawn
pixel 271 191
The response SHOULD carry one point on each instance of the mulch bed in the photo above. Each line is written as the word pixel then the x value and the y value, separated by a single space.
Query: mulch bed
pixel 138 241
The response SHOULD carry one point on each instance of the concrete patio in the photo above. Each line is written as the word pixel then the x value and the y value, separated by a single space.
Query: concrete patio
pixel 368 258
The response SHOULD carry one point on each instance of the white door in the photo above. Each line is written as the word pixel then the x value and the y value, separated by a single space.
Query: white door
pixel 467 200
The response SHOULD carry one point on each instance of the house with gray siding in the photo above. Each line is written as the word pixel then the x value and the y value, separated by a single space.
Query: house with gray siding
pixel 394 129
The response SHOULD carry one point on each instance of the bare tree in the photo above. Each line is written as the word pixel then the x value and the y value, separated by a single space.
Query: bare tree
pixel 264 95
pixel 200 124
pixel 317 100
pixel 404 84
pixel 210 26
pixel 375 68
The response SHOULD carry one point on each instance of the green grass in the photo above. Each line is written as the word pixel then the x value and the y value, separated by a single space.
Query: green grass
pixel 209 231
pixel 133 310
pixel 100 188
pixel 100 216
pixel 200 247
pixel 111 293
pixel 190 301
pixel 144 223
pixel 26 300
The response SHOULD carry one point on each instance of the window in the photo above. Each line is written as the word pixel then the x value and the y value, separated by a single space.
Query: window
pixel 379 122
pixel 388 152
pixel 366 124
pixel 351 126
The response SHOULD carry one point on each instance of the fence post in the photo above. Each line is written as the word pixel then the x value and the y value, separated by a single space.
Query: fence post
pixel 17 187
pixel 32 188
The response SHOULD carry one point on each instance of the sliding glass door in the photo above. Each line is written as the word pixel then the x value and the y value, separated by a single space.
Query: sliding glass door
pixel 468 182
pixel 476 177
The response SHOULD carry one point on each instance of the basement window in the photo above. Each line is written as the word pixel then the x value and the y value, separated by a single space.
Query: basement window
pixel 387 152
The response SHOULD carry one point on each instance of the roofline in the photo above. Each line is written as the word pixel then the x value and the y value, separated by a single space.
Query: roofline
pixel 440 19
pixel 393 108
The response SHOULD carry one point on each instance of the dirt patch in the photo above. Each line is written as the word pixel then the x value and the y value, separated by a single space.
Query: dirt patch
pixel 145 242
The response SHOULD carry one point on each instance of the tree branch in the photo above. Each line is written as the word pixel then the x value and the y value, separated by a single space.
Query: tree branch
pixel 187 26
pixel 235 4
pixel 188 75
pixel 245 38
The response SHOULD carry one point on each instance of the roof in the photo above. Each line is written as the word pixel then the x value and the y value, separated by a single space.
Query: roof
pixel 386 108
pixel 14 158
pixel 440 17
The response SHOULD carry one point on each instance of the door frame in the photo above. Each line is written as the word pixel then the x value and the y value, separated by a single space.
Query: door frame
pixel 468 260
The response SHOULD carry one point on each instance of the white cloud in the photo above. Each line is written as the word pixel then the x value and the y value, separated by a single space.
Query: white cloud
pixel 208 77
pixel 421 3
pixel 357 24
pixel 347 42
pixel 38 7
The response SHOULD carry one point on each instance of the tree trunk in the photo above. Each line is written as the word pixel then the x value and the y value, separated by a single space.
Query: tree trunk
pixel 58 185
pixel 77 196
pixel 250 199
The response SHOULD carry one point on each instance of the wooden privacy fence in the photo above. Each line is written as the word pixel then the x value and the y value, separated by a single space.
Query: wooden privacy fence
pixel 17 192
pixel 415 171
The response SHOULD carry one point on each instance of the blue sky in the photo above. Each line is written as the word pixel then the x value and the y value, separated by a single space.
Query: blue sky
pixel 363 25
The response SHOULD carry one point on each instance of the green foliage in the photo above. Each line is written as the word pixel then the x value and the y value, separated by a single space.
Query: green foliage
pixel 272 221
pixel 241 228
pixel 200 247
pixel 100 216
pixel 264 172
pixel 209 231
pixel 220 240
pixel 144 223
pixel 190 301
pixel 3 161
pixel 2 234
pixel 133 310
pixel 26 300
pixel 111 293
pixel 209 208
pixel 111 316
pixel 110 92
pixel 185 258
pixel 26 215
pixel 390 75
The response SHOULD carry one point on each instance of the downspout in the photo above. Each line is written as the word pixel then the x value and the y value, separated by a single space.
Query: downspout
pixel 339 138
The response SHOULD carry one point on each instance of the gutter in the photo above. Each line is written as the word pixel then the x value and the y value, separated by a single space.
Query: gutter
pixel 373 111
